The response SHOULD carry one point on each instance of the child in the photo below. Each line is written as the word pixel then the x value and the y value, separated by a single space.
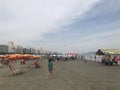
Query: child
pixel 36 63
pixel 22 61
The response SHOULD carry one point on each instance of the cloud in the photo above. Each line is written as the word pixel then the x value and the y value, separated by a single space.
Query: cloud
pixel 84 43
pixel 26 21
pixel 106 39
pixel 104 11
pixel 79 25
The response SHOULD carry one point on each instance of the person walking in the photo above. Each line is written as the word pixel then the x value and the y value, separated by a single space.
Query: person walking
pixel 50 68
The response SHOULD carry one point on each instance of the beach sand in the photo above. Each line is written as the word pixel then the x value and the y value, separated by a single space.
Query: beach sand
pixel 68 75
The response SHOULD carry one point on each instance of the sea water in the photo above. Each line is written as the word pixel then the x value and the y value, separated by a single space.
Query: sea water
pixel 92 57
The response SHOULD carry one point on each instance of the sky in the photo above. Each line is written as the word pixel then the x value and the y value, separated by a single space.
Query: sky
pixel 61 25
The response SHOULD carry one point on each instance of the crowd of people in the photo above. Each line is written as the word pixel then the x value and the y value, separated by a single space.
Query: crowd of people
pixel 111 59
pixel 34 64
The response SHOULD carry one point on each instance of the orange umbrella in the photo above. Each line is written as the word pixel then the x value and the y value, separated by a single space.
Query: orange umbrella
pixel 19 56
pixel 27 55
pixel 36 57
pixel 3 56
pixel 12 56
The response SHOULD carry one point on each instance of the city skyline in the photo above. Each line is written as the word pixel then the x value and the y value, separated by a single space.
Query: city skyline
pixel 79 26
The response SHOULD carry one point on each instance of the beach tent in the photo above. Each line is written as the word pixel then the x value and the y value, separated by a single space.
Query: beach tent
pixel 100 52
pixel 72 53
pixel 108 52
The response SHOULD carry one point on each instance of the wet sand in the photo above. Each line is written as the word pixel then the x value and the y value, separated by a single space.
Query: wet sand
pixel 68 75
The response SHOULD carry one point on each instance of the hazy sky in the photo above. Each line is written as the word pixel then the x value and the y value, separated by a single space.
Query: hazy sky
pixel 61 25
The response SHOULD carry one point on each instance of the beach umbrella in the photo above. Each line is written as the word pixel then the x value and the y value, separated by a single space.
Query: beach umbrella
pixel 19 56
pixel 15 56
pixel 36 57
pixel 3 56
pixel 27 56
pixel 12 56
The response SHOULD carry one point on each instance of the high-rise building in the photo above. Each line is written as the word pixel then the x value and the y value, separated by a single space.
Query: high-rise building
pixel 38 51
pixel 3 49
pixel 19 49
pixel 11 47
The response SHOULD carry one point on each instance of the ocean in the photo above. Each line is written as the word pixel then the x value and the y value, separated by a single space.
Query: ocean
pixel 92 57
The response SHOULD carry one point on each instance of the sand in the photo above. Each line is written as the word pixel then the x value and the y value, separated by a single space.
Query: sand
pixel 68 75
